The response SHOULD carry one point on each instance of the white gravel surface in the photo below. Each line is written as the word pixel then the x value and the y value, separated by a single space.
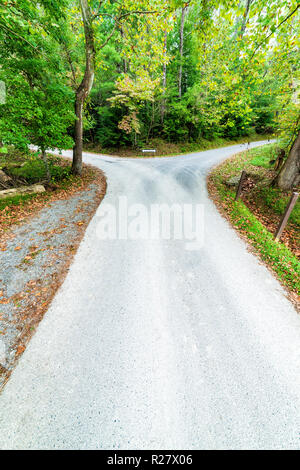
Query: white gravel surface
pixel 50 231
pixel 150 346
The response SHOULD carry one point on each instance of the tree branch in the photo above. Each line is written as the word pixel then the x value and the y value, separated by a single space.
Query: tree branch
pixel 272 32
pixel 118 19
pixel 18 36
pixel 108 37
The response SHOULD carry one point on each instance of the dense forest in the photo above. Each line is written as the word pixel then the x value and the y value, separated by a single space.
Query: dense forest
pixel 122 73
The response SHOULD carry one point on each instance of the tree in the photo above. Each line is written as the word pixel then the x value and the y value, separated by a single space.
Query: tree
pixel 119 15
pixel 135 70
pixel 164 80
pixel 181 39
pixel 38 106
pixel 83 90
pixel 289 175
pixel 39 27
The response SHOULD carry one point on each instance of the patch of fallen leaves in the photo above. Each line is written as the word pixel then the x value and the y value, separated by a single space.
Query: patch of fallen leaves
pixel 16 214
pixel 290 235
pixel 33 301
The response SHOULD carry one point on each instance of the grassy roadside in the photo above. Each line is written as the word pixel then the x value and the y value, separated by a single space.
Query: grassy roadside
pixel 169 149
pixel 256 215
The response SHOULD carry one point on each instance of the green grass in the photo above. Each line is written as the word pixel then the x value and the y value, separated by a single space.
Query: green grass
pixel 270 196
pixel 261 156
pixel 277 255
pixel 15 200
pixel 273 198
pixel 204 144
pixel 33 171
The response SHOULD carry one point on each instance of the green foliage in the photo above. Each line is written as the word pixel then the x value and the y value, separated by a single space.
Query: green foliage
pixel 106 132
pixel 38 106
pixel 178 123
pixel 239 71
pixel 32 171
pixel 39 116
pixel 30 168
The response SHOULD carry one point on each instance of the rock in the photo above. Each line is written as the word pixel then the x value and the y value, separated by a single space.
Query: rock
pixel 35 188
pixel 4 178
pixel 233 181
pixel 13 165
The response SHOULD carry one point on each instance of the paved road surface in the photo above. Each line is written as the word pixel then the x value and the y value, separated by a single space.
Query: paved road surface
pixel 149 345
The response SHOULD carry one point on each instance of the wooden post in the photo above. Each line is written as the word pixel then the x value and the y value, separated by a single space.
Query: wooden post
pixel 240 185
pixel 285 216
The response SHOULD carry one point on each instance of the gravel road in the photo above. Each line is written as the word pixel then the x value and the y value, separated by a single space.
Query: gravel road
pixel 36 254
pixel 148 345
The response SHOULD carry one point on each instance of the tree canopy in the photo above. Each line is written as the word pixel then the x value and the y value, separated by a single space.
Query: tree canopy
pixel 120 73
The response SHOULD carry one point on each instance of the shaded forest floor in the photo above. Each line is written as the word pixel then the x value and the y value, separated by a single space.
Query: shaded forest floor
pixel 257 214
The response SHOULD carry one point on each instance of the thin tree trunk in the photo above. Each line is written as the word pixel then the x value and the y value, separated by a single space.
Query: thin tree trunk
pixel 241 22
pixel 151 123
pixel 181 38
pixel 85 86
pixel 245 18
pixel 289 175
pixel 163 103
pixel 124 60
pixel 45 160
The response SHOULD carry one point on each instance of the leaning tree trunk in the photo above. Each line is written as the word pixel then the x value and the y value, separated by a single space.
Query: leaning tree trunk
pixel 85 86
pixel 289 175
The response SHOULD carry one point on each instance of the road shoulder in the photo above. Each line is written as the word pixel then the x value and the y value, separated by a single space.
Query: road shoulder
pixel 279 258
pixel 36 251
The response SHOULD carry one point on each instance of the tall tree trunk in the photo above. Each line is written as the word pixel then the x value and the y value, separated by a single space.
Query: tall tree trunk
pixel 183 12
pixel 289 175
pixel 163 103
pixel 85 86
pixel 77 150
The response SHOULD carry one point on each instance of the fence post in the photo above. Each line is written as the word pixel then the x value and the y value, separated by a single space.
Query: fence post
pixel 285 216
pixel 239 188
